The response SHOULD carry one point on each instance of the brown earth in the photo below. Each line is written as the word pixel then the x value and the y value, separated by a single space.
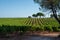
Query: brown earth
pixel 18 36
pixel 44 33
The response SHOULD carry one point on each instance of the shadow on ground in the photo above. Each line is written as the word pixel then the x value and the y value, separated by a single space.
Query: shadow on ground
pixel 32 37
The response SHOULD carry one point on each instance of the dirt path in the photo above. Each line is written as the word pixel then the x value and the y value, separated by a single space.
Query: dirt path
pixel 30 38
pixel 34 36
pixel 50 34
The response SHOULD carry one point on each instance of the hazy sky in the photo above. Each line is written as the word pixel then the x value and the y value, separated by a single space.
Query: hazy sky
pixel 17 8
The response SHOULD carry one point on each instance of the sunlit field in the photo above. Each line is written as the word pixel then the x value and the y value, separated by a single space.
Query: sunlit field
pixel 28 21
pixel 29 24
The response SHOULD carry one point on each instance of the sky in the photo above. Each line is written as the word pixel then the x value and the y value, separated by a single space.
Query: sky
pixel 18 8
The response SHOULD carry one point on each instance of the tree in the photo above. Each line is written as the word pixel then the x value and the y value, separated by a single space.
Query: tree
pixel 34 15
pixel 29 16
pixel 40 14
pixel 51 5
pixel 51 16
pixel 59 16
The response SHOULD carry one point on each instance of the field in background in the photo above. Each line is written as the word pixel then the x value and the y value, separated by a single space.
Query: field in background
pixel 8 25
pixel 29 21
